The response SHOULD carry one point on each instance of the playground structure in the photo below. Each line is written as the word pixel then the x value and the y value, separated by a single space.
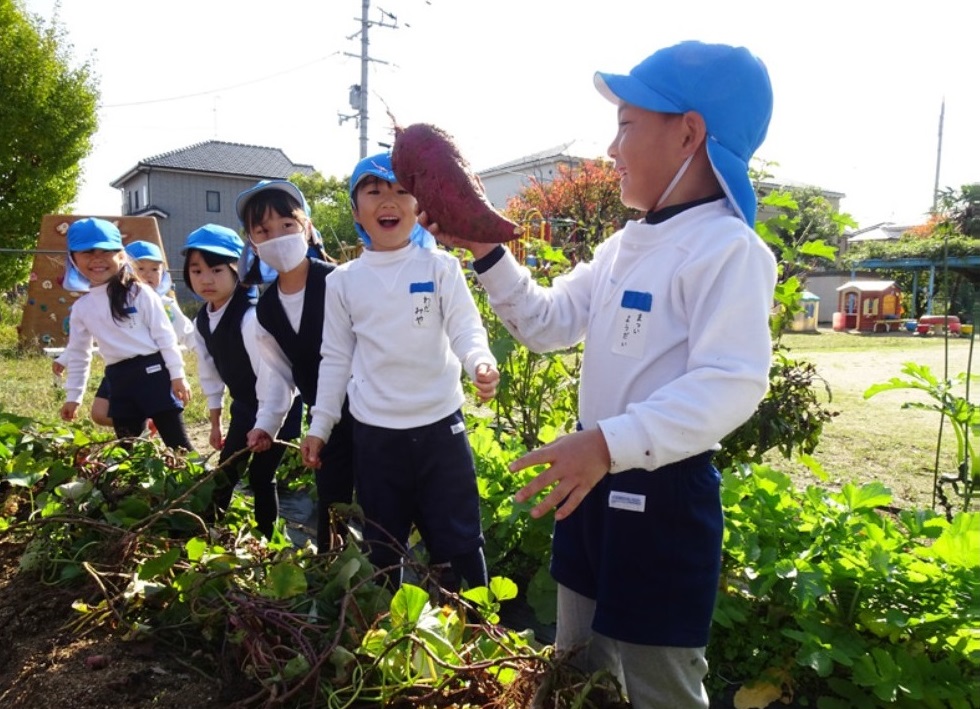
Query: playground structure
pixel 869 306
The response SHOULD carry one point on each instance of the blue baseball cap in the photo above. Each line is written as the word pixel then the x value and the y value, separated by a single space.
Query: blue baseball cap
pixel 94 233
pixel 728 86
pixel 215 239
pixel 140 250
pixel 380 166
pixel 263 185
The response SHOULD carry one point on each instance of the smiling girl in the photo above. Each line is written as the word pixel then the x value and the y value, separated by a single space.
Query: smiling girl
pixel 144 366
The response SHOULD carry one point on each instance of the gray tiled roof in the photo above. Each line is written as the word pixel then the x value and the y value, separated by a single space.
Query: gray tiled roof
pixel 216 156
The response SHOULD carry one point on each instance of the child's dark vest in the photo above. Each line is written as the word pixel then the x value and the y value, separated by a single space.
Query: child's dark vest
pixel 302 348
pixel 227 348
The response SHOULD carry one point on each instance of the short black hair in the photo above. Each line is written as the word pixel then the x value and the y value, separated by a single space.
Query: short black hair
pixel 211 259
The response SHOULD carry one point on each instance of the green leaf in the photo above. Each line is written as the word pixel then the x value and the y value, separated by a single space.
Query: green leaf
pixel 284 580
pixel 159 565
pixel 503 588
pixel 959 544
pixel 407 605
pixel 196 548
pixel 866 497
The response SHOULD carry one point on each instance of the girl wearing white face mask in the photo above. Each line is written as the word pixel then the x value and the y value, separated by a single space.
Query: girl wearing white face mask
pixel 283 252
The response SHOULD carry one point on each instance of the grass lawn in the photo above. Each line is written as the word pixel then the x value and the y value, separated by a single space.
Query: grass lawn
pixel 876 438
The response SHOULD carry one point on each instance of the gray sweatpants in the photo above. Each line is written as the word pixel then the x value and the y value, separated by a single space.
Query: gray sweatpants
pixel 654 677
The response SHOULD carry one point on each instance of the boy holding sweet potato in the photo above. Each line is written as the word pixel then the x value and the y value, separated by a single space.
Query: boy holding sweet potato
pixel 674 311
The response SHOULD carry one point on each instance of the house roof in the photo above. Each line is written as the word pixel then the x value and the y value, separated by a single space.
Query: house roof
pixel 884 231
pixel 867 285
pixel 219 157
pixel 549 155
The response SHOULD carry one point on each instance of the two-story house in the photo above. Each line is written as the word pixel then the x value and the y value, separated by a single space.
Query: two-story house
pixel 197 185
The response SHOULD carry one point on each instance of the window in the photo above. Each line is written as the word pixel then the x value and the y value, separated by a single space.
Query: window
pixel 213 201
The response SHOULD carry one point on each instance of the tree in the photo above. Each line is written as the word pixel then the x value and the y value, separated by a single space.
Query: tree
pixel 331 212
pixel 47 120
pixel 582 206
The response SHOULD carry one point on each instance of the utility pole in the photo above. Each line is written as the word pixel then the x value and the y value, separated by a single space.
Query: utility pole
pixel 359 92
pixel 939 155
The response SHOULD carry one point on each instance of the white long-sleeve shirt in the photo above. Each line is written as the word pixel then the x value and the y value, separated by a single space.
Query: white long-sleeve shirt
pixel 145 331
pixel 398 328
pixel 675 319
pixel 270 391
pixel 279 370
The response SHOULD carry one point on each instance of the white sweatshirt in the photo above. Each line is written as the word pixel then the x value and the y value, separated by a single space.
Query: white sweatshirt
pixel 675 319
pixel 147 330
pixel 398 328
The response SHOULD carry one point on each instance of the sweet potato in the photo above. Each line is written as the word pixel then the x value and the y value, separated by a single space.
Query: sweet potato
pixel 428 164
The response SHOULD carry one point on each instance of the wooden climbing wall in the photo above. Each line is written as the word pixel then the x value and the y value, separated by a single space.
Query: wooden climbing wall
pixel 44 322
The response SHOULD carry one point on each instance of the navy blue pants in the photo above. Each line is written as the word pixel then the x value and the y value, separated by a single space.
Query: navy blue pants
pixel 335 476
pixel 646 546
pixel 423 476
pixel 261 467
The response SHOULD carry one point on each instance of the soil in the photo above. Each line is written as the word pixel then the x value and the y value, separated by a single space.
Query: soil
pixel 43 664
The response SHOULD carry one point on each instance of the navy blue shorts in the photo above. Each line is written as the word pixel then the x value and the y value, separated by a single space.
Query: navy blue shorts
pixel 103 391
pixel 646 546
pixel 423 476
pixel 140 387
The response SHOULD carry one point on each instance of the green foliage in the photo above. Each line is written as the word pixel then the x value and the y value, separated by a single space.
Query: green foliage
pixel 790 418
pixel 47 120
pixel 963 416
pixel 847 605
pixel 331 213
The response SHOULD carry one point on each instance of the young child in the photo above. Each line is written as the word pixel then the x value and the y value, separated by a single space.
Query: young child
pixel 148 262
pixel 399 326
pixel 144 367
pixel 276 220
pixel 228 356
pixel 674 313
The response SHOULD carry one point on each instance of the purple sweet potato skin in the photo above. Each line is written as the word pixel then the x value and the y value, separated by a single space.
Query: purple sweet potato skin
pixel 428 164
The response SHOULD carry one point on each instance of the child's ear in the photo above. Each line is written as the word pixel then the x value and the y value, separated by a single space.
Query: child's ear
pixel 695 130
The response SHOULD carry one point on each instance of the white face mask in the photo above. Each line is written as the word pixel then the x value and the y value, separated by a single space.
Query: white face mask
pixel 284 253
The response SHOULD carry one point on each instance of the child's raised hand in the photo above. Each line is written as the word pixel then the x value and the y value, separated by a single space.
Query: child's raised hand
pixel 487 378
pixel 577 462
pixel 310 449
pixel 68 410
pixel 258 440
pixel 57 368
pixel 181 390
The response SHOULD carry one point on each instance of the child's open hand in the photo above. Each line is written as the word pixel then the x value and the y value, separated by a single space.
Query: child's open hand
pixel 310 449
pixel 487 378
pixel 577 462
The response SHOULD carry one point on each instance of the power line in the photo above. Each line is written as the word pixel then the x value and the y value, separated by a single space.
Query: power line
pixel 225 88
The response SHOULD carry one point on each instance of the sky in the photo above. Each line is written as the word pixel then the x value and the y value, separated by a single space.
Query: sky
pixel 858 85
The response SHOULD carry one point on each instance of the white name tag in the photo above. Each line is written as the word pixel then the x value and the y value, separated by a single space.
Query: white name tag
pixel 632 324
pixel 423 300
pixel 458 427
pixel 627 501
pixel 154 368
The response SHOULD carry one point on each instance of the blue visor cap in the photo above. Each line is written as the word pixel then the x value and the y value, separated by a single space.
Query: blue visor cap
pixel 380 166
pixel 140 250
pixel 94 233
pixel 263 185
pixel 728 86
pixel 215 239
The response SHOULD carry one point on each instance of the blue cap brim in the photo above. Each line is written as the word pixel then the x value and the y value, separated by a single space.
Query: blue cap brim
pixel 628 89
